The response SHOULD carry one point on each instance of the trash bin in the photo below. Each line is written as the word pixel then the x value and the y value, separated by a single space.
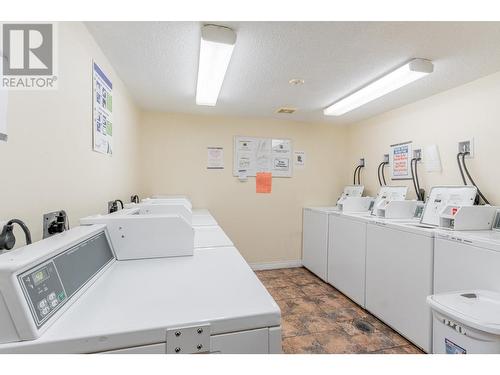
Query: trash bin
pixel 465 322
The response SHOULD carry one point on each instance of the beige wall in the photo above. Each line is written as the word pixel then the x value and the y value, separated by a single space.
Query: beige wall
pixel 264 227
pixel 48 163
pixel 471 110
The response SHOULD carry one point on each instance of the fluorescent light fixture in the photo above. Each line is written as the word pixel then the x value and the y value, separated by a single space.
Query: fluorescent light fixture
pixel 216 48
pixel 415 69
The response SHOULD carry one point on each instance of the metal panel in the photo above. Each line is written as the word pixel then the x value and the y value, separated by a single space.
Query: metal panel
pixel 245 342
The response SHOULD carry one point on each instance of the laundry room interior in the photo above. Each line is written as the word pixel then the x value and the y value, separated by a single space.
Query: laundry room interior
pixel 256 186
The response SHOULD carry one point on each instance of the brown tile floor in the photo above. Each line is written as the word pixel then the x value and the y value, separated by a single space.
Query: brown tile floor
pixel 316 318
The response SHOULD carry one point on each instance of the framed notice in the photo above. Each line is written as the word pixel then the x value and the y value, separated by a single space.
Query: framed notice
pixel 400 161
pixel 102 111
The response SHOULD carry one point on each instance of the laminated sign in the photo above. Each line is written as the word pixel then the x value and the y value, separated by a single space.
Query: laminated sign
pixel 264 182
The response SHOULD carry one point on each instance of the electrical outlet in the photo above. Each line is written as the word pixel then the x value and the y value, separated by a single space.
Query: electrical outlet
pixel 467 146
pixel 53 223
pixel 361 162
pixel 386 158
pixel 417 153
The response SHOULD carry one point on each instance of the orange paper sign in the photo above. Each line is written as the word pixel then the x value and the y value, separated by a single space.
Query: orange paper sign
pixel 264 182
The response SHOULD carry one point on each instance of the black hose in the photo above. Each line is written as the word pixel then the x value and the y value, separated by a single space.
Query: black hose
pixel 121 202
pixel 359 174
pixel 355 170
pixel 460 168
pixel 464 154
pixel 24 227
pixel 378 173
pixel 382 172
pixel 413 178
pixel 419 196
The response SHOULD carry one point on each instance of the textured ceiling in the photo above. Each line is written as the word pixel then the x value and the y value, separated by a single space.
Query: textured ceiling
pixel 158 62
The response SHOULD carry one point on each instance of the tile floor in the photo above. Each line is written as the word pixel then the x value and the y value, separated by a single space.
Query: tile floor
pixel 317 318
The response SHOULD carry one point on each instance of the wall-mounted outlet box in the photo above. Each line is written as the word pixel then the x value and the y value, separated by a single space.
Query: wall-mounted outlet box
pixel 53 223
pixel 417 153
pixel 361 162
pixel 110 206
pixel 386 158
pixel 467 146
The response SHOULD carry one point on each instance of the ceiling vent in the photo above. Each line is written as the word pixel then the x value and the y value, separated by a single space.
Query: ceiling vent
pixel 286 110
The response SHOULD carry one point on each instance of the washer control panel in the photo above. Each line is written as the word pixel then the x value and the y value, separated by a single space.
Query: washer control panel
pixel 44 290
pixel 50 284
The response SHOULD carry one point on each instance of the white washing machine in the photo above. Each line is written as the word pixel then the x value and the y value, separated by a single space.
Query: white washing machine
pixel 69 294
pixel 467 260
pixel 347 246
pixel 315 227
pixel 399 266
pixel 315 239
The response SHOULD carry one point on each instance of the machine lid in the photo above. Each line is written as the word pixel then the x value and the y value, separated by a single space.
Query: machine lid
pixel 326 209
pixel 135 302
pixel 479 309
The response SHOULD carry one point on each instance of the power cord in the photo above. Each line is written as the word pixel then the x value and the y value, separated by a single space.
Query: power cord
pixel 7 238
pixel 464 154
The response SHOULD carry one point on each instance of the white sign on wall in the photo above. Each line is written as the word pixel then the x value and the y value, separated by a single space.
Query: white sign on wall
pixel 252 155
pixel 400 161
pixel 102 111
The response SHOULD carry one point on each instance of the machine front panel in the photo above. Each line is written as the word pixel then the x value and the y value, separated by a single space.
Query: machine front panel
pixel 49 285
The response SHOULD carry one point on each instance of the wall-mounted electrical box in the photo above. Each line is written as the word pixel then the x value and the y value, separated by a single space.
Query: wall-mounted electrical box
pixel 417 153
pixel 386 158
pixel 467 146
pixel 54 222
pixel 361 162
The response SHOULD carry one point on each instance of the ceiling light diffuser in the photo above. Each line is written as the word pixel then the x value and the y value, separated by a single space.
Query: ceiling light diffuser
pixel 216 47
pixel 413 70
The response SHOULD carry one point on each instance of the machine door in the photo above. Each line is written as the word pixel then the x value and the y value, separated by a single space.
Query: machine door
pixel 346 257
pixel 398 281
pixel 459 266
pixel 315 242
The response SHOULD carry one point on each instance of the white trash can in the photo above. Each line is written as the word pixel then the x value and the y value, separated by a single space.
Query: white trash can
pixel 465 322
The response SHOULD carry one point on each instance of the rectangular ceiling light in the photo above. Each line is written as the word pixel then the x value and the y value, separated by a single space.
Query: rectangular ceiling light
pixel 415 69
pixel 216 48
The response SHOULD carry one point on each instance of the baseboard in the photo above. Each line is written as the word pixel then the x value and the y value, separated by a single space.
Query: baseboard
pixel 276 265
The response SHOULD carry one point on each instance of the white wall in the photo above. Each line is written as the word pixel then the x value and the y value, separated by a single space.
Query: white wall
pixel 264 227
pixel 471 110
pixel 48 163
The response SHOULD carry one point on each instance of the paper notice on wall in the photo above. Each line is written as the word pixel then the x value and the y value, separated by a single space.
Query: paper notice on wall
pixel 400 161
pixel 263 182
pixel 300 158
pixel 3 115
pixel 102 111
pixel 3 107
pixel 215 158
pixel 432 160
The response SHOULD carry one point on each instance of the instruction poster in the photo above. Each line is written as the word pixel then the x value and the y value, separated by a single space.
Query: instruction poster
pixel 102 110
pixel 253 155
pixel 399 160
pixel 215 158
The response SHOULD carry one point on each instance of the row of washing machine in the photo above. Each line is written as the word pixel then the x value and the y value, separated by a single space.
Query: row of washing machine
pixel 155 277
pixel 391 257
